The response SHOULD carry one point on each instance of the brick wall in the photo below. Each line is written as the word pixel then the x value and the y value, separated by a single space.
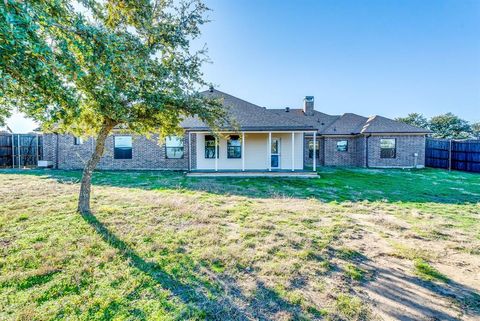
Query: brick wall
pixel 333 157
pixel 406 146
pixel 146 154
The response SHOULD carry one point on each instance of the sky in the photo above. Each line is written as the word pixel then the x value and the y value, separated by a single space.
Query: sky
pixel 366 57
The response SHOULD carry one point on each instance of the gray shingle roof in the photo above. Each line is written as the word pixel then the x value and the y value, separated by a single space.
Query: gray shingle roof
pixel 347 124
pixel 319 121
pixel 253 117
pixel 379 124
pixel 248 116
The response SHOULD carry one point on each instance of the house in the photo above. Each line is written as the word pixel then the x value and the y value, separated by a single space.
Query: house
pixel 265 139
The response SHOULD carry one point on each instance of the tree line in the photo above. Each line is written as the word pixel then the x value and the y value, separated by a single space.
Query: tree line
pixel 444 126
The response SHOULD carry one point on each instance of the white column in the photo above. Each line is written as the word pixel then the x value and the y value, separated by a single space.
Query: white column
pixel 243 151
pixel 189 151
pixel 293 151
pixel 216 154
pixel 269 151
pixel 314 151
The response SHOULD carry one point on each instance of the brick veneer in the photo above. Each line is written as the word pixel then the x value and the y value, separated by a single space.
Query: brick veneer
pixel 406 146
pixel 333 157
pixel 146 154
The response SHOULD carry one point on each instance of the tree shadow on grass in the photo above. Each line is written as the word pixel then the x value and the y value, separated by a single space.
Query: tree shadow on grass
pixel 406 297
pixel 334 184
pixel 228 304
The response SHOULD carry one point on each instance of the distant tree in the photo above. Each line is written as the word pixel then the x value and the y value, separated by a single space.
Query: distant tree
pixel 449 126
pixel 476 130
pixel 414 119
pixel 112 64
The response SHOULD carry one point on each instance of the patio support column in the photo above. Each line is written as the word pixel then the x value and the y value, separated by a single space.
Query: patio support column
pixel 216 154
pixel 189 151
pixel 293 151
pixel 243 151
pixel 314 151
pixel 269 151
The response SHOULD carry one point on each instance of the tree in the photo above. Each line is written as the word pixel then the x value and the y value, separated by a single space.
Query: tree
pixel 414 119
pixel 449 126
pixel 476 130
pixel 99 65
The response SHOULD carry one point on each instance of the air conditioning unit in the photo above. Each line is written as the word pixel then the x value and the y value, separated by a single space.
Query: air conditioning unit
pixel 45 164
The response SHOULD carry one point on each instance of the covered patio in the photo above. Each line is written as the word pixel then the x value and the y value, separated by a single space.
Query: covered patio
pixel 248 152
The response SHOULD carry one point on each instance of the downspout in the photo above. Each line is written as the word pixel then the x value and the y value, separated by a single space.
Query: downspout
pixel 366 150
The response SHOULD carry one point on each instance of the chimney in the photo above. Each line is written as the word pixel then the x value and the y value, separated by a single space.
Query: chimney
pixel 210 89
pixel 308 105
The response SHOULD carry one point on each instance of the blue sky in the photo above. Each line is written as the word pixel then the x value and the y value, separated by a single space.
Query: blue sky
pixel 367 57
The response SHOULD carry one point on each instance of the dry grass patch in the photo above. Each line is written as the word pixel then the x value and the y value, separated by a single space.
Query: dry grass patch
pixel 161 246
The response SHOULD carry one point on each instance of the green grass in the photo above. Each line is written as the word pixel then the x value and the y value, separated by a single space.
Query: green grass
pixel 427 272
pixel 162 246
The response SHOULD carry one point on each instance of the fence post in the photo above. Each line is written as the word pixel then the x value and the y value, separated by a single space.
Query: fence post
pixel 450 156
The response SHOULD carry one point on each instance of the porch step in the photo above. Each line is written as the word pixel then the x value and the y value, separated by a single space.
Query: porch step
pixel 254 174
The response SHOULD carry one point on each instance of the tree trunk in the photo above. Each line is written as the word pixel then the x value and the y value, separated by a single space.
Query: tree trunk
pixel 85 187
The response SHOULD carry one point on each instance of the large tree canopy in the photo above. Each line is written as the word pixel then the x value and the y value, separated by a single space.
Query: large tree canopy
pixel 414 119
pixel 86 67
pixel 449 126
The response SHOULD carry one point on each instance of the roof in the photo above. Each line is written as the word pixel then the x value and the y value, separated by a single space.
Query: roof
pixel 347 124
pixel 379 124
pixel 252 117
pixel 248 116
pixel 318 120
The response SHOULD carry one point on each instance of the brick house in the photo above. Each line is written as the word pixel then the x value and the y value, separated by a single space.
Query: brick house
pixel 266 140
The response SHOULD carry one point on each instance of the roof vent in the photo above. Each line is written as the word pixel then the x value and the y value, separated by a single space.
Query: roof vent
pixel 210 89
pixel 287 109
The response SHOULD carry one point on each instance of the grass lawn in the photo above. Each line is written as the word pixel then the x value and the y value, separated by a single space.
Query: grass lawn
pixel 356 244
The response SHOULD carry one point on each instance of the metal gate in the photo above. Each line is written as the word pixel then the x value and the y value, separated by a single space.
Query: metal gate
pixel 20 150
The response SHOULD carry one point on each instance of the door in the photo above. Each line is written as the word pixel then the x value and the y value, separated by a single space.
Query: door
pixel 275 153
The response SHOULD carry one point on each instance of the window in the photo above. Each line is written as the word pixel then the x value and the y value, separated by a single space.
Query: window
pixel 174 147
pixel 310 149
pixel 77 140
pixel 234 147
pixel 388 148
pixel 342 145
pixel 210 147
pixel 123 147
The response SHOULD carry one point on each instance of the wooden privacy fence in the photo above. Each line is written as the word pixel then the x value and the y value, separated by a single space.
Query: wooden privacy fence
pixel 463 155
pixel 20 150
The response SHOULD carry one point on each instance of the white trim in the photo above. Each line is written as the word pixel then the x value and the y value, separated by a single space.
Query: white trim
pixel 243 151
pixel 293 151
pixel 314 151
pixel 269 151
pixel 258 132
pixel 189 151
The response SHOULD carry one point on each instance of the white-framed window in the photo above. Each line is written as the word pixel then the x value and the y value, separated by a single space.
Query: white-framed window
pixel 342 145
pixel 174 147
pixel 122 147
pixel 234 147
pixel 388 148
pixel 210 150
pixel 77 140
